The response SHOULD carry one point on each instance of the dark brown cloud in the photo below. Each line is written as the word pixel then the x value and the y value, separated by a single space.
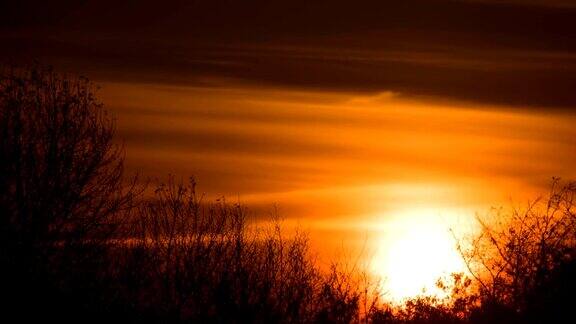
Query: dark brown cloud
pixel 478 51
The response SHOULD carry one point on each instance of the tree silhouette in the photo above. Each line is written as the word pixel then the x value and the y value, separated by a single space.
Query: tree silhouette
pixel 61 173
pixel 523 259
pixel 61 178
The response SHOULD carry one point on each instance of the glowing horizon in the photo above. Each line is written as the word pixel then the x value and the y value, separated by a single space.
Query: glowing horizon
pixel 381 131
pixel 342 164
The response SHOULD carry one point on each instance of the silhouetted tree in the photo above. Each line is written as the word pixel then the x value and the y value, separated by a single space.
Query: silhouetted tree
pixel 61 173
pixel 61 177
pixel 524 259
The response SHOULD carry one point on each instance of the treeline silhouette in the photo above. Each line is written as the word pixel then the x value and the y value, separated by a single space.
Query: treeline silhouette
pixel 82 242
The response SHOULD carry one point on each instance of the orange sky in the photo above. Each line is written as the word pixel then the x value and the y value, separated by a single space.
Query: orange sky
pixel 378 175
pixel 277 144
pixel 374 124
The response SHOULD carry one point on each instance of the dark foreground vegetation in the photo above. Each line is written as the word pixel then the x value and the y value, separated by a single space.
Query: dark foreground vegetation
pixel 82 242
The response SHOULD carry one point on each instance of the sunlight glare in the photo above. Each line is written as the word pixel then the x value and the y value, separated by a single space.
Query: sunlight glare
pixel 414 254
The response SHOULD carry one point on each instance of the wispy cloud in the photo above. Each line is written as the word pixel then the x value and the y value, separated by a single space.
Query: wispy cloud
pixel 307 150
pixel 521 56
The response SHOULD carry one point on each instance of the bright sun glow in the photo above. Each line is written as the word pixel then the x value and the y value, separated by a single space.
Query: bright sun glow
pixel 414 254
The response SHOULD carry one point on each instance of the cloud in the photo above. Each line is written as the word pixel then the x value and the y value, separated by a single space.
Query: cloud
pixel 367 140
pixel 522 56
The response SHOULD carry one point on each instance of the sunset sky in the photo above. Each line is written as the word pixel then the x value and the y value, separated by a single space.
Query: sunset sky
pixel 377 125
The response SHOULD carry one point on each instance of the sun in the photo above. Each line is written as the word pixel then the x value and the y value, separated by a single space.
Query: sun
pixel 413 255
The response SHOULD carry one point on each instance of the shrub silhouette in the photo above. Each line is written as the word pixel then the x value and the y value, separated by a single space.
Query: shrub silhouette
pixel 201 263
pixel 524 259
pixel 188 260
